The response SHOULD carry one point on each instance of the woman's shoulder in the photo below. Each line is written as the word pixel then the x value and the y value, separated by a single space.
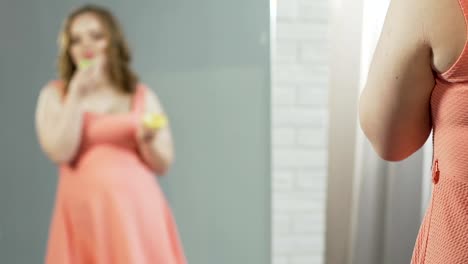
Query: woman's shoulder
pixel 142 86
pixel 56 84
pixel 54 88
pixel 145 90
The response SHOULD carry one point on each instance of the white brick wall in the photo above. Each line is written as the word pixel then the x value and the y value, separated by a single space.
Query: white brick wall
pixel 299 131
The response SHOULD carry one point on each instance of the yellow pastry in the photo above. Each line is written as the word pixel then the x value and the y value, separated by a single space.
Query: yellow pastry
pixel 154 121
pixel 84 64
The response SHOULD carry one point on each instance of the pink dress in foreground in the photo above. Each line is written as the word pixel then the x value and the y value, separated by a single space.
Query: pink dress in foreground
pixel 443 236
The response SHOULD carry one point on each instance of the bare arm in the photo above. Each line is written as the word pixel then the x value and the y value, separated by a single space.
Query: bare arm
pixel 394 107
pixel 58 124
pixel 58 120
pixel 157 152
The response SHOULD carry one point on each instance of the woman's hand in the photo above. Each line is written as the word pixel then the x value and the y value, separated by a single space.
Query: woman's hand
pixel 149 126
pixel 88 75
pixel 153 135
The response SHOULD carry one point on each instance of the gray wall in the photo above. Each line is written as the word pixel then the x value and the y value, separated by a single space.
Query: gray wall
pixel 209 62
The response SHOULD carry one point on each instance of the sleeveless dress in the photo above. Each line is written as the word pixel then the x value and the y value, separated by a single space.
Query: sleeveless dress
pixel 443 236
pixel 109 208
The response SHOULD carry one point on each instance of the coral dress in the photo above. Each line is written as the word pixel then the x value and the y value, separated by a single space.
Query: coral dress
pixel 109 207
pixel 443 236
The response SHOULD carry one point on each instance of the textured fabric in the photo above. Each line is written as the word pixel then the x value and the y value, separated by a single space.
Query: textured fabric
pixel 109 208
pixel 443 236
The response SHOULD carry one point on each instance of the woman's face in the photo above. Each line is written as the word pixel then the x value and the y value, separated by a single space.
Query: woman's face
pixel 88 38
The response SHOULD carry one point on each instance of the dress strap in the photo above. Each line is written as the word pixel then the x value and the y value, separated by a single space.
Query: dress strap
pixel 139 98
pixel 60 86
pixel 459 70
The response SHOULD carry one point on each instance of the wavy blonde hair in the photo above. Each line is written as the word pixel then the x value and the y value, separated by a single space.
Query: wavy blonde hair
pixel 118 52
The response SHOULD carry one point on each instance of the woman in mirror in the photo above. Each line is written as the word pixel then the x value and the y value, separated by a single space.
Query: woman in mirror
pixel 108 134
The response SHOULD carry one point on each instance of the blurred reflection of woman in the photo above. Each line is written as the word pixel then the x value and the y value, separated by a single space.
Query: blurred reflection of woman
pixel 109 208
